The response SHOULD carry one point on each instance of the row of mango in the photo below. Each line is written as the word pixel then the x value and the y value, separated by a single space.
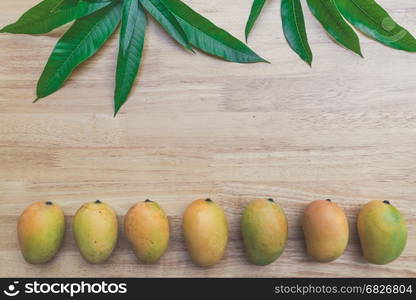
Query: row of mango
pixel 381 227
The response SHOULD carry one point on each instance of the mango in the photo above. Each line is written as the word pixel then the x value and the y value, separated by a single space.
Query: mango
pixel 205 229
pixel 95 230
pixel 382 231
pixel 147 229
pixel 264 229
pixel 40 230
pixel 326 231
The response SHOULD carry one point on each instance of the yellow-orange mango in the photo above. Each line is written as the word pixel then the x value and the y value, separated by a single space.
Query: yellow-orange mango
pixel 205 229
pixel 326 231
pixel 40 231
pixel 264 229
pixel 147 229
pixel 95 230
pixel 383 232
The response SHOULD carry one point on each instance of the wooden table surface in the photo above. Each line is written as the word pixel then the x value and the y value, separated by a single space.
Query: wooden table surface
pixel 197 127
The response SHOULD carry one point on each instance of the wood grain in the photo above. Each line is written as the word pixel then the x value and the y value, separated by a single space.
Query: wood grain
pixel 196 126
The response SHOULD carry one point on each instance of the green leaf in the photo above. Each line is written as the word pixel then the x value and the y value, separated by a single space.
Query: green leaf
pixel 72 3
pixel 254 14
pixel 79 43
pixel 294 28
pixel 328 15
pixel 133 29
pixel 167 20
pixel 45 16
pixel 371 19
pixel 206 36
pixel 65 4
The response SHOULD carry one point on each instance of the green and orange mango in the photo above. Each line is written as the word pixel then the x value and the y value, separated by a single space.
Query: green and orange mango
pixel 382 231
pixel 40 230
pixel 326 231
pixel 95 229
pixel 205 229
pixel 147 229
pixel 265 230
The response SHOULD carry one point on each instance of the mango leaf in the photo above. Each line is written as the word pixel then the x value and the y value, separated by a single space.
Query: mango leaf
pixel 79 43
pixel 133 29
pixel 294 28
pixel 330 18
pixel 371 19
pixel 254 14
pixel 203 34
pixel 45 16
pixel 64 4
pixel 167 20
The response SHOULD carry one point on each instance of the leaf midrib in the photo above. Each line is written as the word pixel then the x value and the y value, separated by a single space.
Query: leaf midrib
pixel 370 17
pixel 127 50
pixel 305 48
pixel 134 29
